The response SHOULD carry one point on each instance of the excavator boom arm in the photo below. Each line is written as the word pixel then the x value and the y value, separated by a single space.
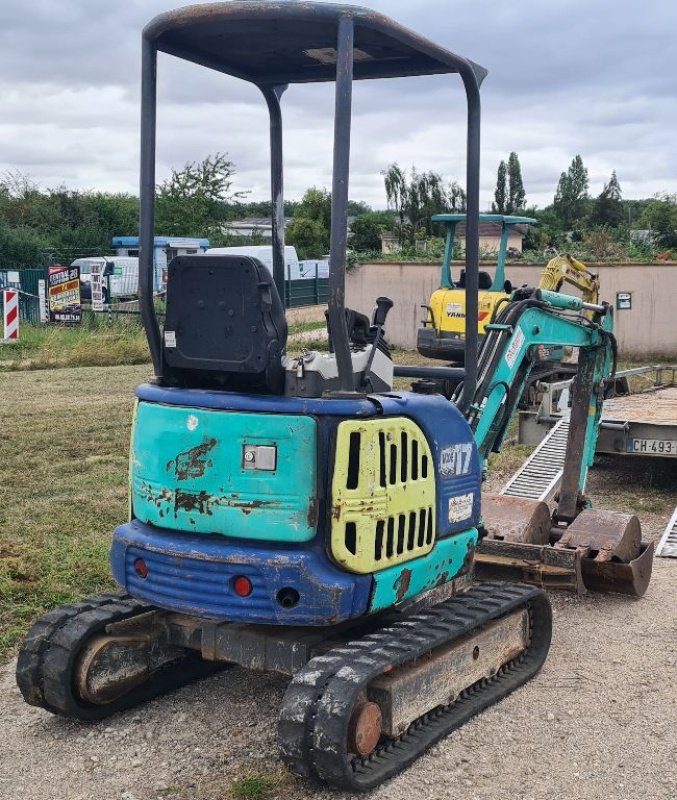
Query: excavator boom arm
pixel 508 356
pixel 567 269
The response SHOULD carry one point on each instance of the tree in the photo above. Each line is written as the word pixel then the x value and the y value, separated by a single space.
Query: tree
pixel 310 229
pixel 607 209
pixel 316 204
pixel 22 247
pixel 572 193
pixel 417 198
pixel 501 192
pixel 660 216
pixel 309 237
pixel 516 194
pixel 395 181
pixel 425 196
pixel 509 195
pixel 193 200
pixel 365 231
pixel 456 198
pixel 613 188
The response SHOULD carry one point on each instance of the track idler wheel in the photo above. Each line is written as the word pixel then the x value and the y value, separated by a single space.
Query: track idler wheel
pixel 364 728
pixel 91 659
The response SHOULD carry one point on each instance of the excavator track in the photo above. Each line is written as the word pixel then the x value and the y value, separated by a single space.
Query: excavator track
pixel 48 660
pixel 319 703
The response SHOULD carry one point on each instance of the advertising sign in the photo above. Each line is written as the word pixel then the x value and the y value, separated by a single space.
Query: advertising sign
pixel 64 294
pixel 96 282
pixel 42 300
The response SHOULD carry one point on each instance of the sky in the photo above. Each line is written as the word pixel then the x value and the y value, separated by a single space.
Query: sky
pixel 566 77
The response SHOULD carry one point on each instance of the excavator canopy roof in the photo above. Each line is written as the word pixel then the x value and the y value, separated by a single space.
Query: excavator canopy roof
pixel 499 218
pixel 294 41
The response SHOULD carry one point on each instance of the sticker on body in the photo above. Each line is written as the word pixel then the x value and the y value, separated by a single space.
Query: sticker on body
pixel 455 460
pixel 455 310
pixel 515 347
pixel 460 507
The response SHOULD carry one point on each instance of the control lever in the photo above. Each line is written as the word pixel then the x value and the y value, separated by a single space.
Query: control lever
pixel 381 309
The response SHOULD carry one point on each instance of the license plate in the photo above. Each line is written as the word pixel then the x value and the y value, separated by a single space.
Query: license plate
pixel 653 447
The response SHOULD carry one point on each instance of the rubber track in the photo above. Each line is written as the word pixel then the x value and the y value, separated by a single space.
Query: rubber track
pixel 49 656
pixel 318 703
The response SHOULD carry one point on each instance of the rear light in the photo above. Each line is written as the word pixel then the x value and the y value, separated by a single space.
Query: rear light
pixel 242 586
pixel 141 568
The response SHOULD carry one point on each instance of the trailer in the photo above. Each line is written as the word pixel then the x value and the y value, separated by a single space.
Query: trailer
pixel 639 418
pixel 644 422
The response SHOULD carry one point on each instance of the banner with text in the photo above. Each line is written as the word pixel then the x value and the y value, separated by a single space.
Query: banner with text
pixel 64 294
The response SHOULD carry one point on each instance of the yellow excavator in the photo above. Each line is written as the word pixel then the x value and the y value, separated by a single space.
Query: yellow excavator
pixel 558 363
pixel 442 334
pixel 566 269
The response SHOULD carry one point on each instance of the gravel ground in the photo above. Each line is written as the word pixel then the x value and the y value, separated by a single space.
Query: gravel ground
pixel 598 722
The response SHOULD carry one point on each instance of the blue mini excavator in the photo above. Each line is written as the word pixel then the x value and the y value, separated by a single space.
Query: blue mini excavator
pixel 296 514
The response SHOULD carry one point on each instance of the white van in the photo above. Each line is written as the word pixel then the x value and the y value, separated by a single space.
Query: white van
pixel 312 268
pixel 264 253
pixel 120 276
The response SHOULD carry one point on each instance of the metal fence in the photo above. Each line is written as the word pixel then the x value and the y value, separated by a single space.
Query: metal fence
pixel 120 289
pixel 306 292
pixel 26 281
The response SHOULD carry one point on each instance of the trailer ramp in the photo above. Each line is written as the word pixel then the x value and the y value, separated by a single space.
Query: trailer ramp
pixel 539 476
pixel 667 546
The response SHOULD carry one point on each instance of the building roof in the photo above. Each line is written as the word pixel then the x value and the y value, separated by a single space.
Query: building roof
pixel 253 222
pixel 161 241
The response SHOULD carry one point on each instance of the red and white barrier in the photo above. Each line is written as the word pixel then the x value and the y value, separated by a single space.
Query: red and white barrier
pixel 10 299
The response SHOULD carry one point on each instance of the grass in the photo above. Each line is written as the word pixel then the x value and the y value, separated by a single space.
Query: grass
pixel 257 786
pixel 101 340
pixel 64 453
pixel 306 327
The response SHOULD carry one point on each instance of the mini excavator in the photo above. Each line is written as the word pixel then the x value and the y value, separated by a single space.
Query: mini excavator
pixel 297 514
pixel 442 334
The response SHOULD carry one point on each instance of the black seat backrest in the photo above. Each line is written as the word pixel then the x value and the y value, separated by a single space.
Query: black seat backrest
pixel 225 324
pixel 485 281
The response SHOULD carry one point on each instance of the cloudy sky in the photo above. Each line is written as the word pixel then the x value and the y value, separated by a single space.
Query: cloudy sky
pixel 595 77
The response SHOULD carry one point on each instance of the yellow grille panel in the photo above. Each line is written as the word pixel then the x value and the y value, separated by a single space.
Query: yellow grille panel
pixel 383 494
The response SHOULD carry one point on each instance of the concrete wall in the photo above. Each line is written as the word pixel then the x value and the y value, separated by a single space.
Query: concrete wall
pixel 648 329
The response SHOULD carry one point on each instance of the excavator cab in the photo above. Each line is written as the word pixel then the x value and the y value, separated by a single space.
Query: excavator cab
pixel 442 335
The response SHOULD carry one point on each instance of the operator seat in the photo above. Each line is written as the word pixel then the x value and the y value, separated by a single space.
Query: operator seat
pixel 225 325
pixel 484 281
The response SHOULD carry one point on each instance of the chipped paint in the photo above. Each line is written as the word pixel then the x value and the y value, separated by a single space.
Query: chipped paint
pixel 192 463
pixel 402 585
pixel 194 480
pixel 446 561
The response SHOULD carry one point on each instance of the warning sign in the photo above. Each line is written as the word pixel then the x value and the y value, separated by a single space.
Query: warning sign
pixel 64 294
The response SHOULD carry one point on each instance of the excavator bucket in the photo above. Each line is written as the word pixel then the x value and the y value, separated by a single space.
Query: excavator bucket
pixel 614 557
pixel 600 551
